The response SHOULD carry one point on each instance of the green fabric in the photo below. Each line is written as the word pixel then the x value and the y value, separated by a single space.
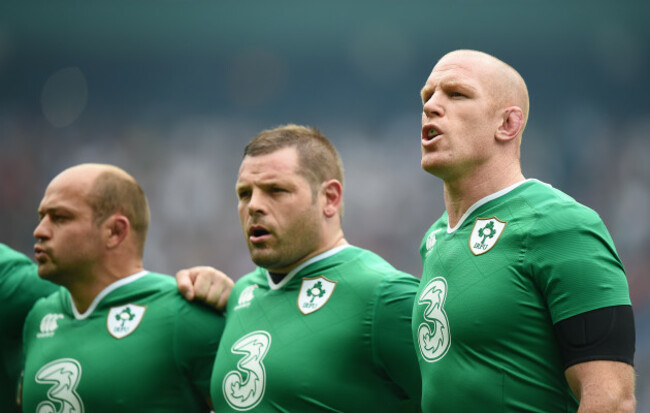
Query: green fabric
pixel 162 365
pixel 485 311
pixel 20 287
pixel 344 346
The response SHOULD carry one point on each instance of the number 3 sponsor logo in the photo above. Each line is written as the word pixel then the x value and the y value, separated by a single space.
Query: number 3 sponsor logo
pixel 64 376
pixel 434 337
pixel 244 388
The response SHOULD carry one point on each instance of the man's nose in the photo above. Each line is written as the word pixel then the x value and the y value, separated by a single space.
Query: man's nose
pixel 256 203
pixel 434 106
pixel 42 230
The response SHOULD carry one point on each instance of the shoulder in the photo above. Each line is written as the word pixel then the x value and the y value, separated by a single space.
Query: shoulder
pixel 48 304
pixel 377 276
pixel 20 285
pixel 159 293
pixel 53 300
pixel 429 237
pixel 555 210
pixel 17 268
pixel 257 276
pixel 9 256
pixel 156 286
pixel 557 228
pixel 373 265
pixel 159 281
pixel 545 197
pixel 165 286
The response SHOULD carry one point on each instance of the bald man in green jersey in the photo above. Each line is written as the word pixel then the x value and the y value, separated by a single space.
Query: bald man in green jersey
pixel 523 303
pixel 117 337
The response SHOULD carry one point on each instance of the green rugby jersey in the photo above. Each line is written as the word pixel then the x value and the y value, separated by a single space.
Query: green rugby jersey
pixel 333 335
pixel 518 262
pixel 140 347
pixel 20 287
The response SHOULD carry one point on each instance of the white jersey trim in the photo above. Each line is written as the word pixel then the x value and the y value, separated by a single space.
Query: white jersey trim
pixel 296 270
pixel 104 293
pixel 484 200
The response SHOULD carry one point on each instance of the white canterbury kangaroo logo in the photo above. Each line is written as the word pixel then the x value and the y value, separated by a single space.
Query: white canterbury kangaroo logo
pixel 49 324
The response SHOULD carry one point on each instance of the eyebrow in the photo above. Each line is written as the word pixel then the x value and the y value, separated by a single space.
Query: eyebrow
pixel 54 209
pixel 457 83
pixel 241 186
pixel 447 83
pixel 424 91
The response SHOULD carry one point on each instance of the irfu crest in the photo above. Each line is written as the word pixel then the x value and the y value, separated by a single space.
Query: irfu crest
pixel 485 234
pixel 314 293
pixel 123 320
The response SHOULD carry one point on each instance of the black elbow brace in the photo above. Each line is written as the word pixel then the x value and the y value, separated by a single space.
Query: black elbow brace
pixel 603 334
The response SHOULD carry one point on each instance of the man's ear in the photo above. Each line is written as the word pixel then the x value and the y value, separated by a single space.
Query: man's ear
pixel 116 228
pixel 333 191
pixel 512 123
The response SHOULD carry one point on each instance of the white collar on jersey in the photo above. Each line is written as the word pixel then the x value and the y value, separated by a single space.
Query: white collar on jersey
pixel 483 201
pixel 295 271
pixel 117 284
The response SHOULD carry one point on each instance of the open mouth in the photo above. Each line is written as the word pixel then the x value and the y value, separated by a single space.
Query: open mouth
pixel 430 133
pixel 258 234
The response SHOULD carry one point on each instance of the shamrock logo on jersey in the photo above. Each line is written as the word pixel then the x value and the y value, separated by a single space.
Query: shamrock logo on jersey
pixel 485 234
pixel 314 293
pixel 123 320
pixel 487 231
pixel 125 315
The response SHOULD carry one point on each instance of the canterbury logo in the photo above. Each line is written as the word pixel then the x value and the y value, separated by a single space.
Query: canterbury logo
pixel 246 296
pixel 49 325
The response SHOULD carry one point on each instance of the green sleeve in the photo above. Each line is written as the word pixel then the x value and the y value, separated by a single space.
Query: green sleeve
pixel 392 336
pixel 20 287
pixel 198 331
pixel 574 263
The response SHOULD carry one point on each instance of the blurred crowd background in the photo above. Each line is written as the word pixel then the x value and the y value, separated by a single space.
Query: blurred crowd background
pixel 173 90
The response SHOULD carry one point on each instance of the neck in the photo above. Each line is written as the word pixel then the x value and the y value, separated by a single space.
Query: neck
pixel 463 192
pixel 85 289
pixel 277 276
pixel 335 242
pixel 82 297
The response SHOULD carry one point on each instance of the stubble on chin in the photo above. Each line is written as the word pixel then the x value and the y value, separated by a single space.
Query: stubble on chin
pixel 45 271
pixel 262 257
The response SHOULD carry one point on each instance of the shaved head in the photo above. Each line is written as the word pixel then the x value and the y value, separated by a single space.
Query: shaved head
pixel 108 190
pixel 505 84
pixel 474 111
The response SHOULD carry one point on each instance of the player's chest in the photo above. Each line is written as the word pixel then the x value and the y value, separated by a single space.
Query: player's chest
pixel 475 281
pixel 98 364
pixel 103 339
pixel 317 310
